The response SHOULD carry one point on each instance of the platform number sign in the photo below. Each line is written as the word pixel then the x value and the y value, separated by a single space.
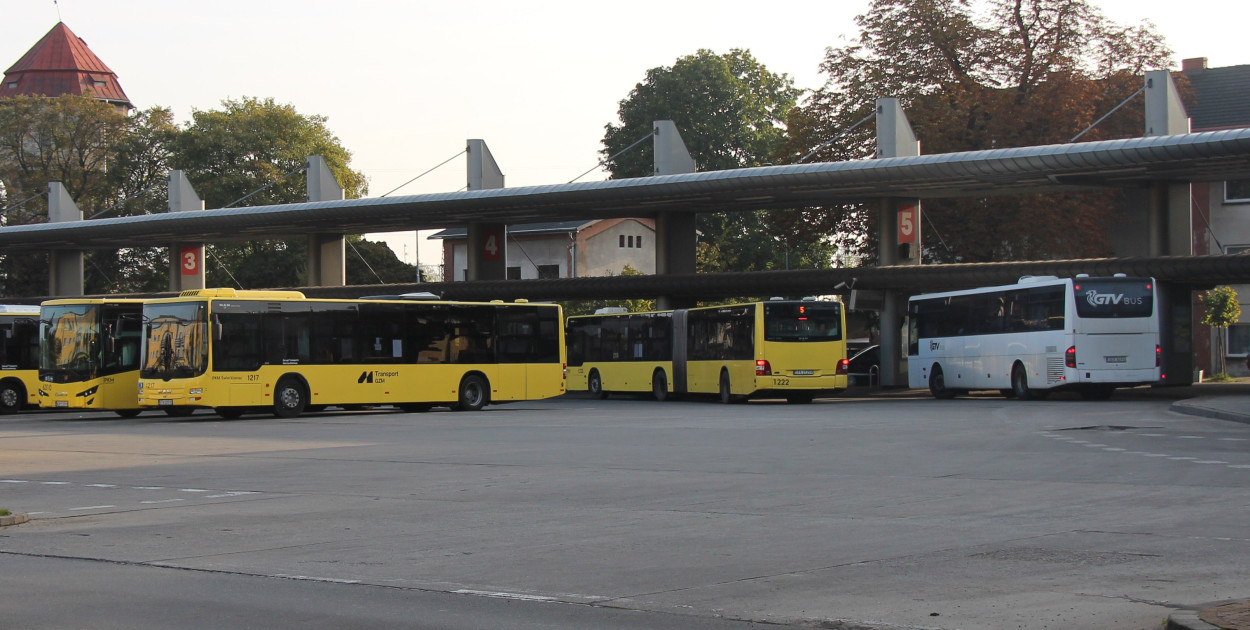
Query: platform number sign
pixel 190 261
pixel 492 245
pixel 908 217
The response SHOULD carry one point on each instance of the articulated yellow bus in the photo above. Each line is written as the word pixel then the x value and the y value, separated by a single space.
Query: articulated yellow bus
pixel 781 348
pixel 19 357
pixel 89 354
pixel 238 351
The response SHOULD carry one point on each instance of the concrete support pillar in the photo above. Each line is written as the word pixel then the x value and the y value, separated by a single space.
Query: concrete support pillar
pixel 1170 223
pixel 899 237
pixel 676 234
pixel 65 268
pixel 487 242
pixel 186 258
pixel 327 253
pixel 1170 232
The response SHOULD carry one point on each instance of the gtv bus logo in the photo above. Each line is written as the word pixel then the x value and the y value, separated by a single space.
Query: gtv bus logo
pixel 1096 299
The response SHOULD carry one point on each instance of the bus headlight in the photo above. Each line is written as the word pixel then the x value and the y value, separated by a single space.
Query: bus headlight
pixel 195 390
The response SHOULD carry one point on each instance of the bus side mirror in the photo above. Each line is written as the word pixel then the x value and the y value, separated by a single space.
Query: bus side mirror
pixel 216 329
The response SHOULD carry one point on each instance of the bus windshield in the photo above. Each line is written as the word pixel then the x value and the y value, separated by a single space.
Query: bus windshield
pixel 1113 298
pixel 177 340
pixel 802 321
pixel 70 350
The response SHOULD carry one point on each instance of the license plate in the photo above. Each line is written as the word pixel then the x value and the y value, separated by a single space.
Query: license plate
pixel 804 372
pixel 62 403
pixel 165 403
pixel 1120 359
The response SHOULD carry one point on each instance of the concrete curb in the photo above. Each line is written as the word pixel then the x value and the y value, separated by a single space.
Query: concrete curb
pixel 1195 407
pixel 13 519
pixel 1187 620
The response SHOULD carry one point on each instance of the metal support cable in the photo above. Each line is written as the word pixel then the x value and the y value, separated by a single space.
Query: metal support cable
pixel 1113 110
pixel 362 259
pixel 302 167
pixel 118 204
pixel 840 134
pixel 223 267
pixel 21 203
pixel 466 150
pixel 615 155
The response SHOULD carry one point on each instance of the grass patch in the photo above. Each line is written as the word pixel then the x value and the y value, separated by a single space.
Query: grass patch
pixel 1222 377
pixel 4 512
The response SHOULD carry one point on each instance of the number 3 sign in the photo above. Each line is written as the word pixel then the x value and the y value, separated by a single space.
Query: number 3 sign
pixel 190 261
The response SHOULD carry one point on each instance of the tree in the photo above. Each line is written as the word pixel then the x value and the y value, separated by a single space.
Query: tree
pixel 249 153
pixel 1222 311
pixel 101 156
pixel 1018 73
pixel 588 307
pixel 731 112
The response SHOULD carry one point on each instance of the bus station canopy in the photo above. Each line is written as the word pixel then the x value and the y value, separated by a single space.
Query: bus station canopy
pixel 1136 162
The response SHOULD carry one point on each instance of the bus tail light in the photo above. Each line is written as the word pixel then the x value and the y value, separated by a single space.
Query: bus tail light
pixel 1158 355
pixel 1069 357
pixel 565 368
pixel 844 366
pixel 762 368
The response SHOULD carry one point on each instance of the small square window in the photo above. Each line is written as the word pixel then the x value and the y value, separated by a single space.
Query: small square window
pixel 1237 190
pixel 514 273
pixel 12 84
pixel 548 271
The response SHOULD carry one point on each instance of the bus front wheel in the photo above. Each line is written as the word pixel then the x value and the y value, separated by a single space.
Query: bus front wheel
pixel 594 383
pixel 12 397
pixel 937 384
pixel 659 386
pixel 474 393
pixel 289 399
pixel 1020 384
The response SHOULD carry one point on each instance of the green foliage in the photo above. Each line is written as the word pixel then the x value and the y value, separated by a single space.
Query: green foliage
pixel 370 262
pixel 730 111
pixel 251 147
pixel 588 307
pixel 1025 72
pixel 1222 309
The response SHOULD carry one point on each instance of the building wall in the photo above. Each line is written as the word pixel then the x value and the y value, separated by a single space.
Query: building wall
pixel 608 246
pixel 1230 233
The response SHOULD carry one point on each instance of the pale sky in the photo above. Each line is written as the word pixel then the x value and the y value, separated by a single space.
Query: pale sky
pixel 403 84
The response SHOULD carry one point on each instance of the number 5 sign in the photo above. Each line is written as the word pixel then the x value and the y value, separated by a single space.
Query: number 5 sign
pixel 908 219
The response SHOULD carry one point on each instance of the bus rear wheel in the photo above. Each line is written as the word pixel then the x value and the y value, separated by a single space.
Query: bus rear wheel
pixel 594 384
pixel 725 389
pixel 659 386
pixel 289 399
pixel 937 384
pixel 474 393
pixel 12 396
pixel 1020 384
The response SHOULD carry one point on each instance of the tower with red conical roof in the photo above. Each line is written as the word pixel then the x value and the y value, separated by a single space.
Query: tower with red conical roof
pixel 61 63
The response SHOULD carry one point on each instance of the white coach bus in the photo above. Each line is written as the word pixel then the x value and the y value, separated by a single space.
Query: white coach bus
pixel 1041 334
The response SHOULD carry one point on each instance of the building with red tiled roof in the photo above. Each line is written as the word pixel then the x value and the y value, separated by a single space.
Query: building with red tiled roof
pixel 61 63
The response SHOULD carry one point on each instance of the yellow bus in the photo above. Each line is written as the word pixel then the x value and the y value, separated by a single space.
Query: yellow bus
pixel 238 351
pixel 19 357
pixel 89 354
pixel 792 349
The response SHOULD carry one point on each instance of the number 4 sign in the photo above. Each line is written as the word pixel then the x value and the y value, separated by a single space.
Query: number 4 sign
pixel 492 241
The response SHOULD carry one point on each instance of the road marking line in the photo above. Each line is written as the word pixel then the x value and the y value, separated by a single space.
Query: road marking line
pixel 92 507
pixel 13 481
pixel 101 485
pixel 518 596
pixel 1209 461
pixel 161 501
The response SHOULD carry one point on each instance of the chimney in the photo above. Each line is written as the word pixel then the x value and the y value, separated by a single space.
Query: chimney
pixel 1197 63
